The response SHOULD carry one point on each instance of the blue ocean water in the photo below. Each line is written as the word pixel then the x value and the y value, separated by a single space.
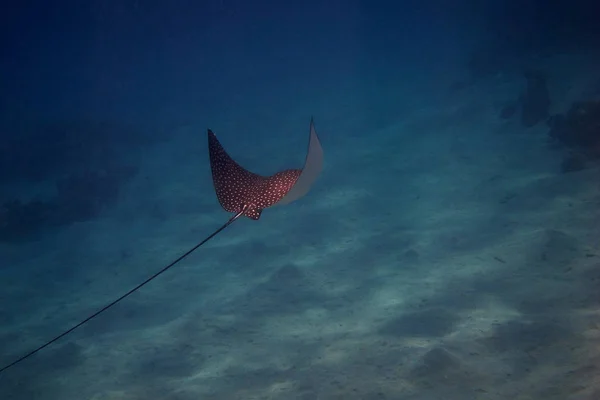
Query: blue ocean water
pixel 449 249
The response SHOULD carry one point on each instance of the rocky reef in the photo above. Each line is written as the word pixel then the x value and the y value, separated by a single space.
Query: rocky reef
pixel 79 197
pixel 579 127
pixel 533 104
pixel 84 160
pixel 20 220
pixel 35 150
pixel 578 130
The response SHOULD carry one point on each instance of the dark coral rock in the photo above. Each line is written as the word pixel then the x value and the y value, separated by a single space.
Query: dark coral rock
pixel 536 99
pixel 37 150
pixel 84 196
pixel 24 220
pixel 573 163
pixel 579 128
pixel 80 197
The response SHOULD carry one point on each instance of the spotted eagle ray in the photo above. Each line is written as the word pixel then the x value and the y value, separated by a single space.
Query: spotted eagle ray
pixel 239 191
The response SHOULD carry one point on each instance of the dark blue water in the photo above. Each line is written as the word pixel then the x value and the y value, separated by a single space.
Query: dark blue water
pixel 449 250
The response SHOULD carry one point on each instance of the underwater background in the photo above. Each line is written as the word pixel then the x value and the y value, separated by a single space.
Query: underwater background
pixel 449 250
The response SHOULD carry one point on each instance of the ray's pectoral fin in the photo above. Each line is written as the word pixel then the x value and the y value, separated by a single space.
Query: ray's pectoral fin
pixel 240 190
pixel 234 185
pixel 311 170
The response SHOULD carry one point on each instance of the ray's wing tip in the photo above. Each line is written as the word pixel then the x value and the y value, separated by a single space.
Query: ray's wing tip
pixel 211 136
